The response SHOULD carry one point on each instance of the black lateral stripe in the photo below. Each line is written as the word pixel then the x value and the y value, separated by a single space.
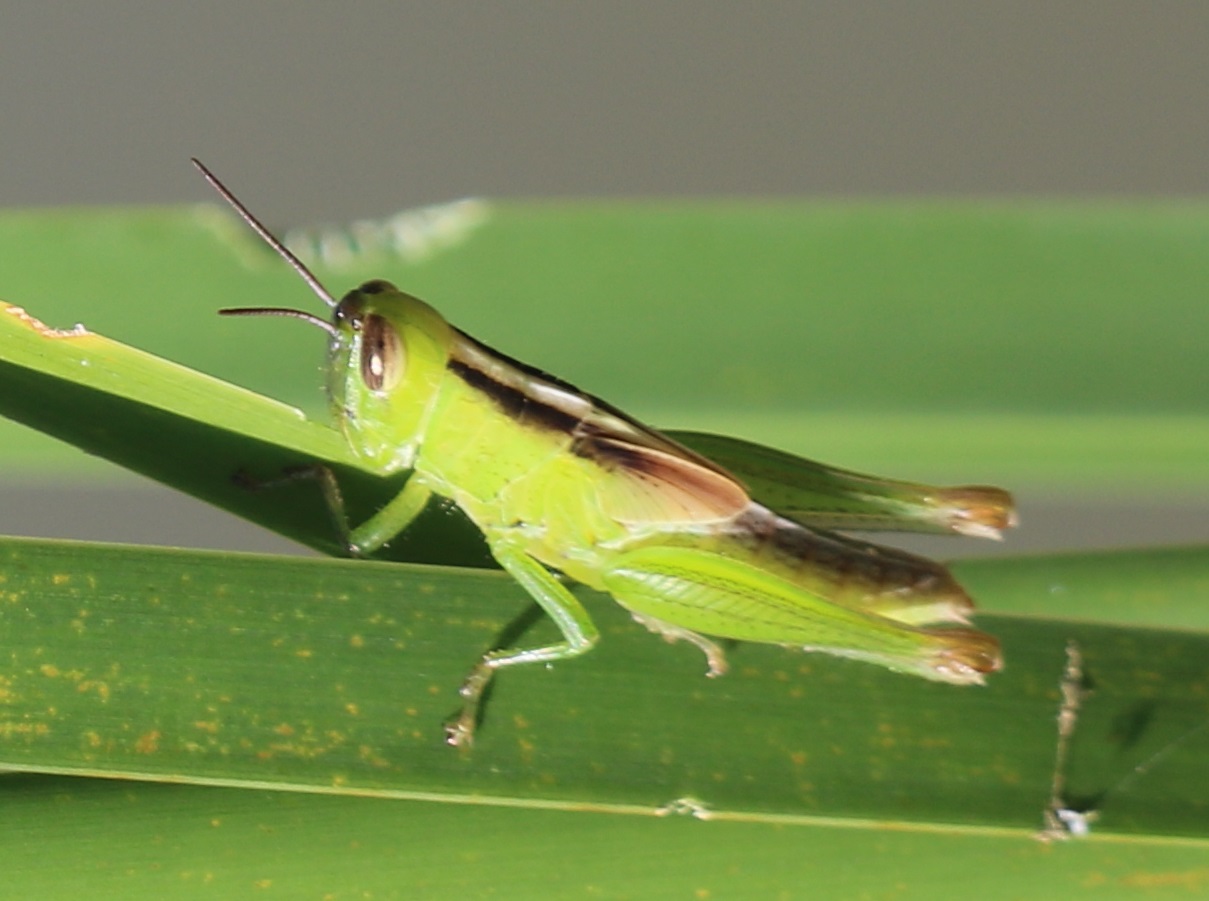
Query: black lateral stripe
pixel 541 375
pixel 592 444
pixel 531 371
pixel 513 401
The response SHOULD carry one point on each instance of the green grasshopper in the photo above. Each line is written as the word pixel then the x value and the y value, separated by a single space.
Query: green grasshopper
pixel 560 481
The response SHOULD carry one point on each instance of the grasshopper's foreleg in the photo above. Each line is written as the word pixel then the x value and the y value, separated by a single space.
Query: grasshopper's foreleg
pixel 388 522
pixel 561 606
pixel 370 535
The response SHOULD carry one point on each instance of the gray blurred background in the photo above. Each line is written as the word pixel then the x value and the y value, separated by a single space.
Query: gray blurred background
pixel 341 110
pixel 328 112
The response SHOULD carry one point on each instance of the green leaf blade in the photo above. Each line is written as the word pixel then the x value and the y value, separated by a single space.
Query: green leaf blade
pixel 336 676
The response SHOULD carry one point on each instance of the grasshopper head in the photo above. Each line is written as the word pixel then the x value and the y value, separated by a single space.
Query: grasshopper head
pixel 385 363
pixel 386 357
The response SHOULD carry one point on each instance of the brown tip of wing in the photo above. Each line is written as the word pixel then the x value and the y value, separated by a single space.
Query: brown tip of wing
pixel 980 511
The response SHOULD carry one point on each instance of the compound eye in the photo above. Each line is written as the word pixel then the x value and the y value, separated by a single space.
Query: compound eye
pixel 381 354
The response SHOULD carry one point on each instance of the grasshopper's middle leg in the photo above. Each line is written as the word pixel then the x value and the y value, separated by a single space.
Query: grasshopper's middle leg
pixel 572 619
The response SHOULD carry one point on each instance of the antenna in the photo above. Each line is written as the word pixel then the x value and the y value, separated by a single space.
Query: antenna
pixel 269 238
pixel 282 311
